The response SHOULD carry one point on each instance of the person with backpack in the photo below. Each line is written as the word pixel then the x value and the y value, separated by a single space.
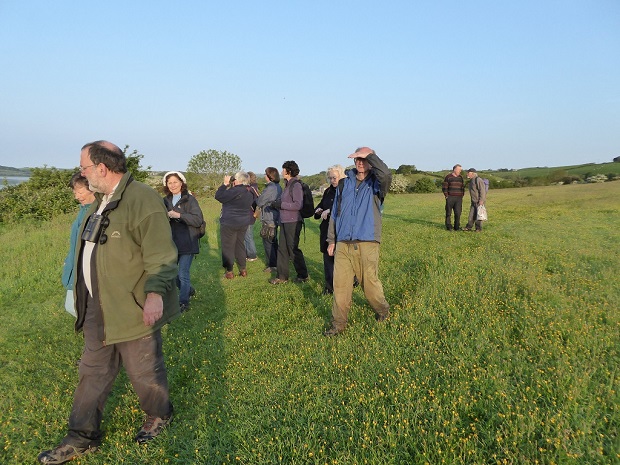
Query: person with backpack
pixel 354 236
pixel 185 218
pixel 290 205
pixel 478 194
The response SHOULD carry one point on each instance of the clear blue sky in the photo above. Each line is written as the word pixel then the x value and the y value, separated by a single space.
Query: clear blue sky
pixel 488 84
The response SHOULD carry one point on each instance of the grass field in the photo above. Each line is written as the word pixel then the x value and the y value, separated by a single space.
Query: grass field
pixel 503 348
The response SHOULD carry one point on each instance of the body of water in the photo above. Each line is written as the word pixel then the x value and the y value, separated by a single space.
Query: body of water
pixel 12 180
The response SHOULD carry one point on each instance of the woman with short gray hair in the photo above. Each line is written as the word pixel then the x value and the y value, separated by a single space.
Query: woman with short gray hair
pixel 236 200
pixel 323 211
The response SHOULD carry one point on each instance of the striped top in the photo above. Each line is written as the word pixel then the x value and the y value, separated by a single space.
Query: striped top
pixel 453 185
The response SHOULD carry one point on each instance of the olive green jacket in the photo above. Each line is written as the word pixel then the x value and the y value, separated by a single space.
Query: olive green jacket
pixel 137 258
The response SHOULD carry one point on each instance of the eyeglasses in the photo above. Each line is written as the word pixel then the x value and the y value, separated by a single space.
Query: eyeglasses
pixel 84 168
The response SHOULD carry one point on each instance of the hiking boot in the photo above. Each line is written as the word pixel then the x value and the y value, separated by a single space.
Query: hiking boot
pixel 151 428
pixel 382 318
pixel 302 280
pixel 278 281
pixel 229 275
pixel 333 331
pixel 64 453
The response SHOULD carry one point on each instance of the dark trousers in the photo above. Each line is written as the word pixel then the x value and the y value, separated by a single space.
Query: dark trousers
pixel 454 203
pixel 473 217
pixel 328 269
pixel 288 249
pixel 143 360
pixel 271 250
pixel 233 246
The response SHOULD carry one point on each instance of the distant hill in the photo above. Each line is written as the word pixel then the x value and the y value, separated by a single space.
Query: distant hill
pixel 9 171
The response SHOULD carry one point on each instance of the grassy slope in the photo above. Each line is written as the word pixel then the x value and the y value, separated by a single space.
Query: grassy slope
pixel 504 347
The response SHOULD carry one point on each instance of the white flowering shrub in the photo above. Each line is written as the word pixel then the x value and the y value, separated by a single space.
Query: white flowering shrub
pixel 597 178
pixel 399 184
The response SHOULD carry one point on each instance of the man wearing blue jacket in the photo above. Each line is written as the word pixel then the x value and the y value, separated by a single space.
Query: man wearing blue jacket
pixel 354 236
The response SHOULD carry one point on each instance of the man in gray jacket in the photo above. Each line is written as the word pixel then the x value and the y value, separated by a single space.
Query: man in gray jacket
pixel 478 194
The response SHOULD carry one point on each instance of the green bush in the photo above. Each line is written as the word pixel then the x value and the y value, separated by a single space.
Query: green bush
pixel 424 186
pixel 46 194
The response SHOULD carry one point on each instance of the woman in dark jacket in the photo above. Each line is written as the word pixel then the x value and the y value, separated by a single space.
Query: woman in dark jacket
pixel 185 220
pixel 323 211
pixel 237 214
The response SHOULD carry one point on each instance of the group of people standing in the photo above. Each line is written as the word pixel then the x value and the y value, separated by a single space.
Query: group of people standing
pixel 128 268
pixel 453 189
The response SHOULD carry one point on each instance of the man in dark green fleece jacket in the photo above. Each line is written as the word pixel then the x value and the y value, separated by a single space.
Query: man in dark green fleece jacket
pixel 125 291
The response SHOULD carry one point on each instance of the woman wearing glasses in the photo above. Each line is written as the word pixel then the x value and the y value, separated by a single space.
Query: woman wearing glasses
pixel 323 211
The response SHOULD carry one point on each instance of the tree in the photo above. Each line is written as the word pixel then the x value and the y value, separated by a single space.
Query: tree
pixel 208 167
pixel 134 165
pixel 406 169
pixel 214 162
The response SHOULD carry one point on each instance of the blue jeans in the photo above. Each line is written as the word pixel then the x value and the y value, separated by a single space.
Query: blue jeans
pixel 185 262
pixel 250 246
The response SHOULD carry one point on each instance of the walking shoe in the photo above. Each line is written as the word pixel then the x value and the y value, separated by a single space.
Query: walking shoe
pixel 251 259
pixel 382 318
pixel 184 307
pixel 302 280
pixel 64 453
pixel 229 275
pixel 151 428
pixel 243 273
pixel 278 281
pixel 192 291
pixel 333 331
pixel 466 229
pixel 327 291
pixel 270 269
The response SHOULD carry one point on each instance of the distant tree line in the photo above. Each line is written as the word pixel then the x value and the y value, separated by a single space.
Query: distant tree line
pixel 46 194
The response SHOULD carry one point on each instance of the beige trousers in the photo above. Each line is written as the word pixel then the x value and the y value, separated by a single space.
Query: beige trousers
pixel 359 259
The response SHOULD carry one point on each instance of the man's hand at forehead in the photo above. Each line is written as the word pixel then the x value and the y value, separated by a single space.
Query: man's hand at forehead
pixel 362 152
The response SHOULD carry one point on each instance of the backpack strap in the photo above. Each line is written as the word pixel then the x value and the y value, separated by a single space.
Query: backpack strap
pixel 340 189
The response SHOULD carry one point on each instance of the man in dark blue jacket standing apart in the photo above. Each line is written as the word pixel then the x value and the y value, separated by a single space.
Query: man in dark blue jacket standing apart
pixel 354 236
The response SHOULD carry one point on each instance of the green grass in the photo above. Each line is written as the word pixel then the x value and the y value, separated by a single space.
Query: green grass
pixel 504 347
